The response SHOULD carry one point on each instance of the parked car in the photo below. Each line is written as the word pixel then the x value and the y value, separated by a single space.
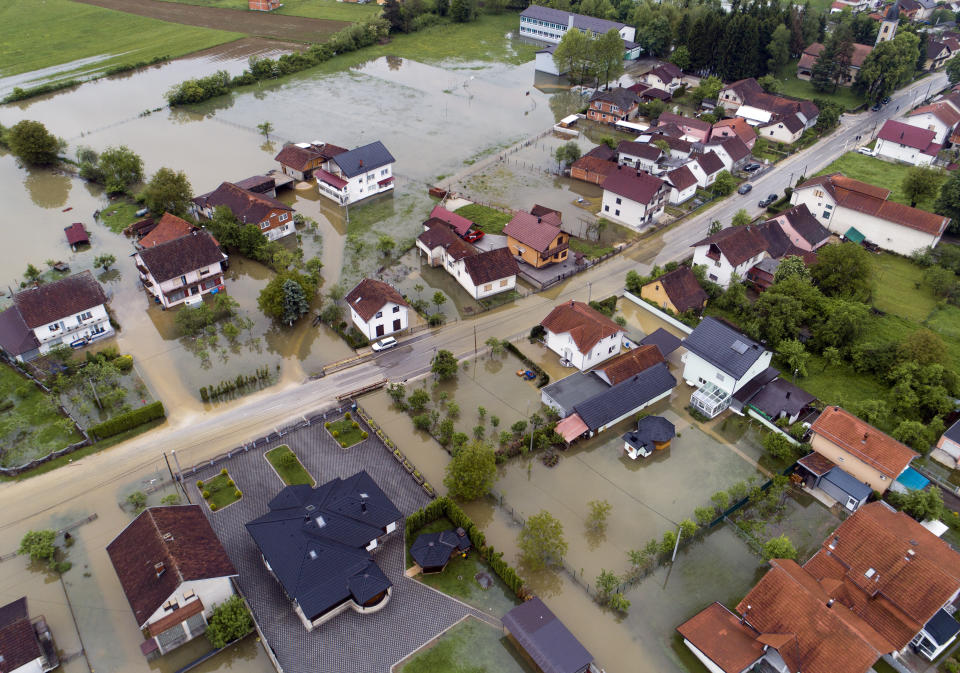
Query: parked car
pixel 767 201
pixel 865 150
pixel 744 188
pixel 876 108
pixel 885 100
pixel 750 168
pixel 384 344
pixel 473 236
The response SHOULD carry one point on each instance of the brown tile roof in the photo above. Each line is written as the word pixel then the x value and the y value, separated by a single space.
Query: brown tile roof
pixel 602 151
pixel 440 235
pixel 675 144
pixel 181 255
pixel 191 551
pixel 682 288
pixel 738 244
pixel 246 206
pixel 734 147
pixel 643 150
pixel 594 165
pixel 812 53
pixel 681 178
pixel 18 640
pixel 625 99
pixel 634 361
pixel 817 463
pixel 460 224
pixel 942 111
pixel 745 88
pixel 297 158
pixel 543 211
pixel 76 233
pixel 720 635
pixel 168 228
pixel 586 326
pixel 59 299
pixel 739 126
pixel 640 187
pixel 491 265
pixel 863 441
pixel 369 296
pixel 710 162
pixel 178 616
pixel 681 121
pixel 536 232
pixel 15 337
pixel 666 71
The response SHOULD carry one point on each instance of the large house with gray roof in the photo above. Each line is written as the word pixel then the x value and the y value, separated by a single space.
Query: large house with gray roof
pixel 356 174
pixel 549 25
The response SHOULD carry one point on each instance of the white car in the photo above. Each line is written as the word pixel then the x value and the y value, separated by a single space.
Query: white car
pixel 384 344
pixel 865 150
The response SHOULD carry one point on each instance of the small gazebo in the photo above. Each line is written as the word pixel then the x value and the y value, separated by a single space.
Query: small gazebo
pixel 76 235
pixel 432 551
pixel 653 433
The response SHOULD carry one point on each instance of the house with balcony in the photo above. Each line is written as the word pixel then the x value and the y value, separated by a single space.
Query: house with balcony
pixel 26 645
pixel 537 240
pixel 356 174
pixel 481 274
pixel 729 252
pixel 70 312
pixel 182 270
pixel 612 105
pixel 581 335
pixel 174 572
pixel 274 218
pixel 300 160
pixel 318 543
pixel 377 309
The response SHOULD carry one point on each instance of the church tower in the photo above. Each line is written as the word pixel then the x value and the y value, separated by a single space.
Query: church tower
pixel 888 27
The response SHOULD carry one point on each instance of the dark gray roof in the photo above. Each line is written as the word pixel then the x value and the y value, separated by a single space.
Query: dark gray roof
pixel 432 550
pixel 755 385
pixel 723 347
pixel 15 337
pixel 544 637
pixel 624 397
pixel 315 541
pixel 781 396
pixel 650 429
pixel 363 159
pixel 180 256
pixel 942 627
pixel 579 387
pixel 805 224
pixel 580 21
pixel 662 339
pixel 953 432
pixel 848 484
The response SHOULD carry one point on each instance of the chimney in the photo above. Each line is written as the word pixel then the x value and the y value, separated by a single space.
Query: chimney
pixel 539 220
pixel 570 21
pixel 830 603
pixel 864 440
pixel 361 163
pixel 363 503
pixel 159 568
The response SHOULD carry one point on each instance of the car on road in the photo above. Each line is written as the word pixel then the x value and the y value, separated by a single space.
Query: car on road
pixel 744 188
pixel 750 168
pixel 876 108
pixel 473 236
pixel 865 150
pixel 885 100
pixel 384 344
pixel 767 201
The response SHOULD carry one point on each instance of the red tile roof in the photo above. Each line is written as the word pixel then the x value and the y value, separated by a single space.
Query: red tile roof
pixel 863 441
pixel 640 187
pixel 738 125
pixel 586 326
pixel 440 235
pixel 737 244
pixel 720 635
pixel 179 537
pixel 460 224
pixel 369 296
pixel 59 299
pixel 734 147
pixel 178 616
pixel 536 232
pixel 76 233
pixel 682 288
pixel 246 206
pixel 710 162
pixel 296 157
pixel 681 178
pixel 18 640
pixel 168 228
pixel 491 265
pixel 908 135
pixel 634 361
pixel 942 111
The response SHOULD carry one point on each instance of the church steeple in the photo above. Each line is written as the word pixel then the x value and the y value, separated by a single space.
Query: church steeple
pixel 888 26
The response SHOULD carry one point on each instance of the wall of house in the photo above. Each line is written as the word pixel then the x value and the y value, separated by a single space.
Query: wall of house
pixel 630 413
pixel 626 159
pixel 634 214
pixel 563 345
pixel 928 120
pixel 365 185
pixel 697 371
pixel 839 495
pixel 211 591
pixel 486 289
pixel 607 112
pixel 532 257
pixel 203 280
pixel 544 63
pixel 704 659
pixel 721 271
pixel 851 464
pixel 703 180
pixel 654 292
pixel 390 313
pixel 549 401
pixel 70 328
pixel 898 152
pixel 949 447
pixel 779 133
pixel 795 236
pixel 679 196
pixel 888 235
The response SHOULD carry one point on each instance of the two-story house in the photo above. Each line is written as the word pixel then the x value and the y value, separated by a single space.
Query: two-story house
pixel 907 143
pixel 71 312
pixel 481 274
pixel 274 218
pixel 664 76
pixel 633 198
pixel 642 156
pixel 718 362
pixel 26 645
pixel 537 240
pixel 736 126
pixel 300 160
pixel 546 24
pixel 357 174
pixel 858 210
pixel 166 229
pixel 173 571
pixel 613 105
pixel 182 270
pixel 694 130
pixel 729 251
pixel 811 55
pixel 317 544
pixel 802 228
pixel 706 167
pixel 582 336
pixel 678 291
pixel 683 184
pixel 377 309
pixel 732 151
pixel 939 117
pixel 746 98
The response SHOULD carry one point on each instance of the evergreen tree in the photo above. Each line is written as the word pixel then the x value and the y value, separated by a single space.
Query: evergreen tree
pixel 821 75
pixel 779 49
pixel 463 11
pixel 393 13
pixel 295 302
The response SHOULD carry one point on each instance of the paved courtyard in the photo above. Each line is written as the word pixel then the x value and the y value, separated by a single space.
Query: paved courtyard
pixel 350 642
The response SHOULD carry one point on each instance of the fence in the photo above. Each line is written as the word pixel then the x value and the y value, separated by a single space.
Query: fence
pixel 686 329
pixel 397 454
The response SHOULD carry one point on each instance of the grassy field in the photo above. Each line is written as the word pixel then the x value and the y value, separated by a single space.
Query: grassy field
pixel 589 248
pixel 54 32
pixel 291 475
pixel 314 9
pixel 491 220
pixel 120 215
pixel 876 172
pixel 346 431
pixel 469 647
pixel 33 426
pixel 791 85
pixel 896 290
pixel 222 491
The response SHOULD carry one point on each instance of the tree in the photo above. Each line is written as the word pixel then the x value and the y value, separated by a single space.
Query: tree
pixel 444 365
pixel 230 620
pixel 779 547
pixel 791 267
pixel 925 504
pixel 439 299
pixel 779 49
pixel 38 545
pixel 912 433
pixel 597 519
pixel 921 183
pixel 724 184
pixel 822 73
pixel 681 57
pixel 715 227
pixel 890 65
pixel 496 346
pixel 541 541
pixel 943 282
pixel 567 153
pixel 138 501
pixel 795 355
pixel 844 270
pixel 573 54
pixel 385 245
pixel 104 261
pixel 924 347
pixel 708 89
pixel 295 302
pixel 948 203
pixel 656 37
pixel 168 191
pixel 741 218
pixel 31 143
pixel 779 447
pixel 32 274
pixel 953 70
pixel 463 11
pixel 770 84
pixel 265 128
pixel 273 298
pixel 607 59
pixel 119 168
pixel 471 472
pixel 418 399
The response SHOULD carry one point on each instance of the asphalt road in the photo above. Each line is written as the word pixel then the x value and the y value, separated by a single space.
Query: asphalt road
pixel 198 436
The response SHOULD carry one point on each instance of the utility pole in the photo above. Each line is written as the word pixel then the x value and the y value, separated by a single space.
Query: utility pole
pixel 677 545
pixel 183 486
pixel 474 339
pixel 95 396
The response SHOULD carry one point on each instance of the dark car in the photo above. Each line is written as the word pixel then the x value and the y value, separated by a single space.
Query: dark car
pixel 876 108
pixel 744 188
pixel 885 100
pixel 767 201
pixel 750 168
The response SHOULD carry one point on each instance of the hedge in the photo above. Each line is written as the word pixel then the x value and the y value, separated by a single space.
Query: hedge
pixel 128 421
pixel 543 379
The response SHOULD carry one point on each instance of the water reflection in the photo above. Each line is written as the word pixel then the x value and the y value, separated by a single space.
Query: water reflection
pixel 47 188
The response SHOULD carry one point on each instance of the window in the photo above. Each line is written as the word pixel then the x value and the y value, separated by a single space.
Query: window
pixel 205 272
pixel 396 309
pixel 86 315
pixel 187 595
pixel 54 328
pixel 379 314
pixel 612 348
pixel 171 604
pixel 384 171
pixel 283 217
pixel 504 282
pixel 826 214
pixel 719 376
pixel 616 212
pixel 264 225
pixel 607 208
pixel 619 201
pixel 183 280
pixel 488 287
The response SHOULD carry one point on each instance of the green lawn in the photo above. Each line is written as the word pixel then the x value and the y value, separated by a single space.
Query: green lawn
pixel 491 220
pixel 119 215
pixel 589 248
pixel 469 647
pixel 896 288
pixel 53 32
pixel 222 491
pixel 33 425
pixel 791 85
pixel 315 9
pixel 346 431
pixel 291 474
pixel 876 172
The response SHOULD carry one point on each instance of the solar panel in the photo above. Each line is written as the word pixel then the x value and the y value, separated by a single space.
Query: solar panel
pixel 739 347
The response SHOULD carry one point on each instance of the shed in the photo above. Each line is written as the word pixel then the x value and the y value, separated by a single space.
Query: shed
pixel 854 235
pixel 432 551
pixel 653 433
pixel 76 235
pixel 545 639
pixel 845 488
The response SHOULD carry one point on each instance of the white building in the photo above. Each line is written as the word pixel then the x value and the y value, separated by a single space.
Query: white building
pixel 544 61
pixel 907 143
pixel 640 155
pixel 377 309
pixel 706 167
pixel 481 274
pixel 859 210
pixel 549 25
pixel 734 250
pixel 26 645
pixel 175 271
pixel 274 218
pixel 683 184
pixel 68 312
pixel 581 335
pixel 173 571
pixel 357 174
pixel 939 117
pixel 634 199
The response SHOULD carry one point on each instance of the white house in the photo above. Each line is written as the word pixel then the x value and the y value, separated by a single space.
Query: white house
pixel 581 335
pixel 787 129
pixel 947 450
pixel 664 76
pixel 68 312
pixel 859 210
pixel 544 61
pixel 732 151
pixel 175 271
pixel 26 645
pixel 706 167
pixel 939 117
pixel 683 184
pixel 173 571
pixel 719 361
pixel 633 198
pixel 907 143
pixel 377 309
pixel 357 174
pixel 642 156
pixel 734 250
pixel 481 274
pixel 549 25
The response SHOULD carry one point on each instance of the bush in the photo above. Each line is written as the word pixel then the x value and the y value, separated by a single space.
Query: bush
pixel 347 416
pixel 363 435
pixel 124 363
pixel 223 471
pixel 213 507
pixel 206 495
pixel 128 421
pixel 238 494
pixel 199 484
